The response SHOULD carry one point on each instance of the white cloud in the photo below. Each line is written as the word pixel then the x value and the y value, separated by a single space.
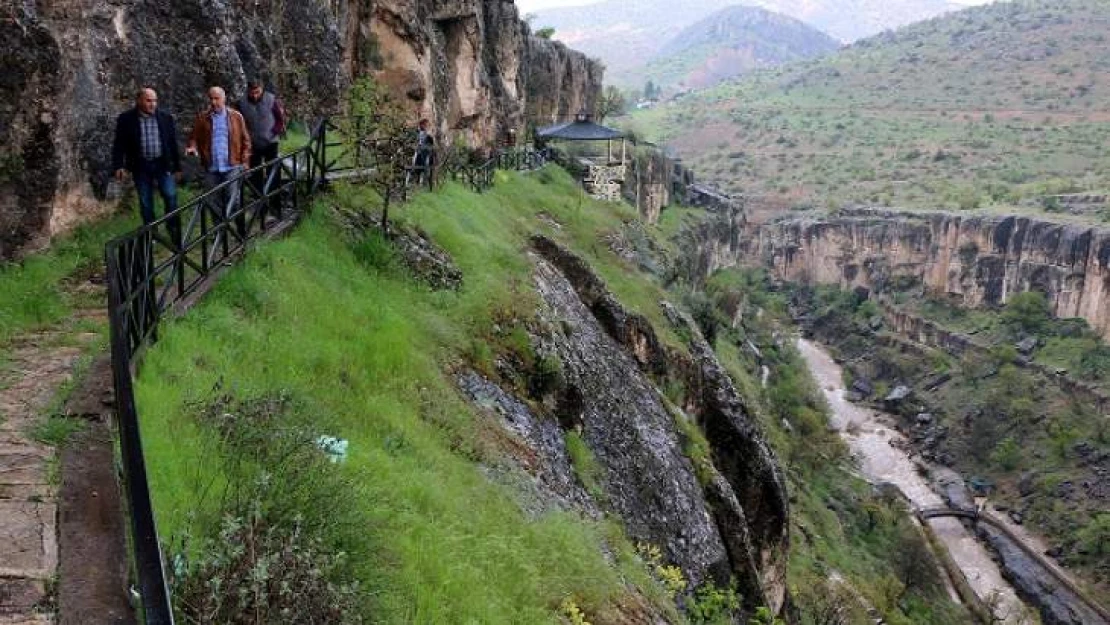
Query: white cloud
pixel 527 6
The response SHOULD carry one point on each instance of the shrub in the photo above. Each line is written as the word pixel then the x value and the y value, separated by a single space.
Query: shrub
pixel 258 570
pixel 711 604
pixel 1007 454
pixel 1027 312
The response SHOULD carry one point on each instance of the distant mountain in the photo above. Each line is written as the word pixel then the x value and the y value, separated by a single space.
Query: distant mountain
pixel 626 33
pixel 1001 104
pixel 726 44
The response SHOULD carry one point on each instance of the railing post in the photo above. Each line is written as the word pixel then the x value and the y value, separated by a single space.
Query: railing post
pixel 296 185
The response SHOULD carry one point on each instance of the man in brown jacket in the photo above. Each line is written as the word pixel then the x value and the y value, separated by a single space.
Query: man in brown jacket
pixel 221 140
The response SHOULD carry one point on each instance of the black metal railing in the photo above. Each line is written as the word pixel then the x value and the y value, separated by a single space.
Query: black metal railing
pixel 164 265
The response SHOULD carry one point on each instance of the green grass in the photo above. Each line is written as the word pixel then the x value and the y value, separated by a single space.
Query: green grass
pixel 366 352
pixel 56 429
pixel 33 291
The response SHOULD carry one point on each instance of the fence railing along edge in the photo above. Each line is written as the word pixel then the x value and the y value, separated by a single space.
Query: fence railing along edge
pixel 137 302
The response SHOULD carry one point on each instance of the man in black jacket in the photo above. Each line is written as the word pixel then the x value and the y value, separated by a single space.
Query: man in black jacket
pixel 146 145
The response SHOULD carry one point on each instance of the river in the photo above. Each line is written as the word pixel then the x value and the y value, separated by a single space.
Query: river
pixel 869 434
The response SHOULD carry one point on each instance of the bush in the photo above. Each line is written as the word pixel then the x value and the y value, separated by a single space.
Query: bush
pixel 1007 454
pixel 261 571
pixel 274 558
pixel 1026 313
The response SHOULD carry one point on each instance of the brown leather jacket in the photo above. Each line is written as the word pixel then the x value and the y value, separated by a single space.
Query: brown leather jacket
pixel 239 144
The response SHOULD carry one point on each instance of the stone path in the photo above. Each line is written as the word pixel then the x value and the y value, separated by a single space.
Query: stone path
pixel 28 488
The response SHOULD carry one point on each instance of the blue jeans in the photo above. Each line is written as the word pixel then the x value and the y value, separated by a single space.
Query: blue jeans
pixel 228 198
pixel 148 176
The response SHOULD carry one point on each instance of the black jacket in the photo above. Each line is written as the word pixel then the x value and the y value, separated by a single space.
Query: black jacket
pixel 127 147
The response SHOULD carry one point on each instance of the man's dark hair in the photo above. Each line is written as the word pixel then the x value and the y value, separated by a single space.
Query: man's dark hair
pixel 254 82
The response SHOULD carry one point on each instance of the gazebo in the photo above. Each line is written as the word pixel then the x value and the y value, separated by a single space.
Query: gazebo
pixel 603 174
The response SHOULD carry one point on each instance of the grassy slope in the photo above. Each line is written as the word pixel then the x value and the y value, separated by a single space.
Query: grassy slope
pixel 994 105
pixel 35 293
pixel 365 353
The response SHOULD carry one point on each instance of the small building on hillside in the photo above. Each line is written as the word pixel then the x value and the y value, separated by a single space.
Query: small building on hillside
pixel 602 169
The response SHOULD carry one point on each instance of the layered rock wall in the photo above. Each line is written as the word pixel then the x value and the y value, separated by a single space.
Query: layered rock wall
pixel 978 260
pixel 471 67
pixel 728 519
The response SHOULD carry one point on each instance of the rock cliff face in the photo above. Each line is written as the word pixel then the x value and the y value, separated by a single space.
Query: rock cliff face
pixel 978 259
pixel 726 518
pixel 470 66
pixel 654 181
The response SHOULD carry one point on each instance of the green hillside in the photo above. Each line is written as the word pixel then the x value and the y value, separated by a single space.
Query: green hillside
pixel 1001 104
pixel 625 33
pixel 426 520
pixel 728 43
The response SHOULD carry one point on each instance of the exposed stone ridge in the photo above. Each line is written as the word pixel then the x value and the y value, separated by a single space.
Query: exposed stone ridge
pixel 745 490
pixel 471 67
pixel 647 480
pixel 743 456
pixel 979 259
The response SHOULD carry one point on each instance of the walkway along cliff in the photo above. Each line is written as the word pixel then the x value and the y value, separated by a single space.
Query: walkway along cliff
pixel 471 67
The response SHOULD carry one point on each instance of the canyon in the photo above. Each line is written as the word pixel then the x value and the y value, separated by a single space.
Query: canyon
pixel 971 259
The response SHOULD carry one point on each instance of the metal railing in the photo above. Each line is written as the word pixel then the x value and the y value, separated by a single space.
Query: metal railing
pixel 164 265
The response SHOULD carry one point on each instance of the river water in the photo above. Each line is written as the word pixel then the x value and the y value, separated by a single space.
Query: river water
pixel 869 434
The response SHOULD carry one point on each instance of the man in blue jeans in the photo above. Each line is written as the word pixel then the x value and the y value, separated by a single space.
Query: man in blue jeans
pixel 146 145
pixel 221 140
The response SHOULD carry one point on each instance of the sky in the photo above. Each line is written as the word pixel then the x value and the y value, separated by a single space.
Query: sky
pixel 527 6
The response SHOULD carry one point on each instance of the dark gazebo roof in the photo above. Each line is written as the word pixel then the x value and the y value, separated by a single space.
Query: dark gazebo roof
pixel 579 130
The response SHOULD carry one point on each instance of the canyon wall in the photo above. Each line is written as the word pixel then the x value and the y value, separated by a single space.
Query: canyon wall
pixel 977 259
pixel 471 67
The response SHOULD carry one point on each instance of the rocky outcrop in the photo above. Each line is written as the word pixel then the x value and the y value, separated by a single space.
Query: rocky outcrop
pixel 560 82
pixel 728 519
pixel 646 478
pixel 980 260
pixel 70 66
pixel 744 458
pixel 654 181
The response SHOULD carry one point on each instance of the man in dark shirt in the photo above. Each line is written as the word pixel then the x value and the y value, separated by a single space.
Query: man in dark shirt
pixel 146 145
pixel 423 160
pixel 265 118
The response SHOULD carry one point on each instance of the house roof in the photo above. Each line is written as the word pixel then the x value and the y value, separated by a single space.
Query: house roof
pixel 579 131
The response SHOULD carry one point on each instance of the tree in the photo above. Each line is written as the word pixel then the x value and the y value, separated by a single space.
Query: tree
pixel 612 102
pixel 384 145
pixel 650 90
pixel 1027 312
pixel 547 32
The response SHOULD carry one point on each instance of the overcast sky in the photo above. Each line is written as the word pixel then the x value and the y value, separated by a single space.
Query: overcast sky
pixel 535 5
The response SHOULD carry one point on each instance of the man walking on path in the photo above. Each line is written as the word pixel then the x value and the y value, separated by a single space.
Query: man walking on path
pixel 146 145
pixel 265 120
pixel 221 140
